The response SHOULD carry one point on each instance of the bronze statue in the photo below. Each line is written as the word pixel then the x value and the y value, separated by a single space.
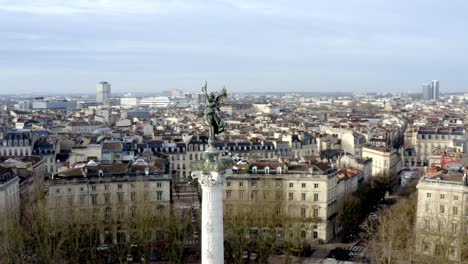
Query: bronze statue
pixel 212 112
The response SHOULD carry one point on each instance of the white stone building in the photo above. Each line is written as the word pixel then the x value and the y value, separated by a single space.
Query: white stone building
pixel 442 213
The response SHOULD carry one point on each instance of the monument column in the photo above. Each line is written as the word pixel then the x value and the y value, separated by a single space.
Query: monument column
pixel 212 234
pixel 211 174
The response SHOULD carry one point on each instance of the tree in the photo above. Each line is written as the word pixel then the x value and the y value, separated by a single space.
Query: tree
pixel 350 215
pixel 394 239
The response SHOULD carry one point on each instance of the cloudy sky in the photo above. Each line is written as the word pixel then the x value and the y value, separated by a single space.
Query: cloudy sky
pixel 247 45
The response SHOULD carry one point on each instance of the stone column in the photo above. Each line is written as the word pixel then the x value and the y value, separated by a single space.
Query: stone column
pixel 212 234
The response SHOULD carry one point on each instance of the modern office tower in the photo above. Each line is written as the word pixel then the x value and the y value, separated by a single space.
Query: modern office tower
pixel 427 91
pixel 103 92
pixel 435 89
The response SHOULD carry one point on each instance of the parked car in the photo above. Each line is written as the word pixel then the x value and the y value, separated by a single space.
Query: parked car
pixel 253 256
pixel 103 247
pixel 129 258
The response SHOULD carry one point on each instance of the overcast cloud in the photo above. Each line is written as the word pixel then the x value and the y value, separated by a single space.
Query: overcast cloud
pixel 247 45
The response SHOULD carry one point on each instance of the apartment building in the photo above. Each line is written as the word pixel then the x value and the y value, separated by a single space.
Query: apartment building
pixel 305 194
pixel 442 213
pixel 105 193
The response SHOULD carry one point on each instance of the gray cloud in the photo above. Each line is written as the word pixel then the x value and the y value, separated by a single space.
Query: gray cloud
pixel 262 45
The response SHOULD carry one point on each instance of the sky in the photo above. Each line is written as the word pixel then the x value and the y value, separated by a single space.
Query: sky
pixel 68 46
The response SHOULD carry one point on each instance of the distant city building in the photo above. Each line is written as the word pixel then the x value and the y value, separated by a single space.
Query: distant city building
pixel 156 101
pixel 427 91
pixel 54 104
pixel 128 102
pixel 435 89
pixel 173 93
pixel 430 91
pixel 103 92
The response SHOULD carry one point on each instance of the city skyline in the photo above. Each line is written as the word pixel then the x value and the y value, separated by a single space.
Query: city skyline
pixel 352 46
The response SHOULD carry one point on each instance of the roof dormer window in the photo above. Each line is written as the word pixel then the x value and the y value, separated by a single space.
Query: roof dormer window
pixel 254 169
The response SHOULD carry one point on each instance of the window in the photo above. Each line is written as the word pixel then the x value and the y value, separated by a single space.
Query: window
pixel 82 199
pixel 254 184
pixel 316 197
pixel 267 170
pixel 158 185
pixel 121 213
pixel 455 210
pixel 442 196
pixel 133 211
pixel 119 186
pixel 228 195
pixel 94 199
pixel 70 201
pixel 120 197
pixel 441 208
pixel 145 196
pixel 303 234
pixel 291 185
pixel 241 184
pixel 425 247
pixel 132 185
pixel 303 212
pixel 228 183
pixel 146 185
pixel 428 195
pixel 241 195
pixel 315 235
pixel 452 250
pixel 278 196
pixel 455 197
pixel 315 185
pixel 107 198
pixel 106 187
pixel 57 191
pixel 93 188
pixel 428 205
pixel 278 211
pixel 427 224
pixel 132 196
pixel 81 189
pixel 316 213
pixel 303 185
pixel 291 196
pixel 454 228
pixel 107 213
pixel 303 196
pixel 278 184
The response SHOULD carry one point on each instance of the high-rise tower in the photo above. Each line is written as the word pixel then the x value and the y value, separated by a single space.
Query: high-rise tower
pixel 103 92
pixel 427 91
pixel 435 89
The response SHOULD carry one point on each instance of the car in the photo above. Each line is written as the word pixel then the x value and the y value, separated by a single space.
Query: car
pixel 129 258
pixel 195 235
pixel 245 254
pixel 253 256
pixel 356 254
pixel 103 247
pixel 153 256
